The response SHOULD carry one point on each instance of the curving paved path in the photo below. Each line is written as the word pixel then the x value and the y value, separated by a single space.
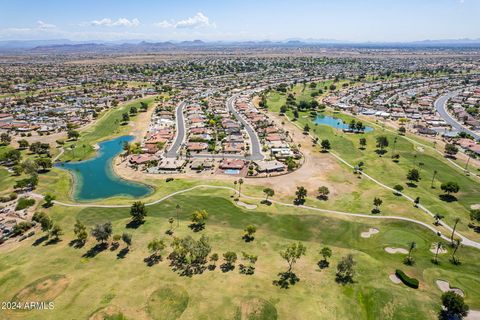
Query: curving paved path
pixel 441 107
pixel 465 241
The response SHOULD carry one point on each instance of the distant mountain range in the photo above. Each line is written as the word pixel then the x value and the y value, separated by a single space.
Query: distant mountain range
pixel 65 45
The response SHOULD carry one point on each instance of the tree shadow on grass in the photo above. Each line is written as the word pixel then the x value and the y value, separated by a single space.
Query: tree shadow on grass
pixel 39 241
pixel 411 185
pixel 123 253
pixel 226 267
pixel 77 244
pixel 52 241
pixel 248 238
pixel 96 249
pixel 133 224
pixel 152 260
pixel 196 227
pixel 266 202
pixel 447 197
pixel 286 279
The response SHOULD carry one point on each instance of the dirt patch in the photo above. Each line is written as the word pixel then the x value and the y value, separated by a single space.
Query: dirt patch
pixel 396 250
pixel 393 277
pixel 246 205
pixel 444 286
pixel 167 303
pixel 256 309
pixel 43 289
pixel 369 233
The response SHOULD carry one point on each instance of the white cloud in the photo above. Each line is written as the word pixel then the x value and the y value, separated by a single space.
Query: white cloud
pixel 43 25
pixel 197 21
pixel 121 22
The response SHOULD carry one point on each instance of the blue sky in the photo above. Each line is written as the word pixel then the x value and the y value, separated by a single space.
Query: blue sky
pixel 349 20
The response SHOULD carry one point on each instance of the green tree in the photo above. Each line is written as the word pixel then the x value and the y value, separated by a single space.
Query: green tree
pixel 80 231
pixel 345 270
pixel 450 187
pixel 377 202
pixel 48 200
pixel 326 253
pixel 382 143
pixel 325 145
pixel 156 246
pixel 363 143
pixel 323 193
pixel 73 134
pixel 269 192
pixel 249 232
pixel 450 150
pixel 102 232
pixel 198 219
pixel 292 254
pixel 300 194
pixel 454 307
pixel 413 175
pixel 55 232
pixel 138 211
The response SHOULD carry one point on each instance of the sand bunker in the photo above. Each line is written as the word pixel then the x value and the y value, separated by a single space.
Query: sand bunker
pixel 475 206
pixel 433 249
pixel 369 233
pixel 396 250
pixel 444 286
pixel 393 277
pixel 421 149
pixel 246 205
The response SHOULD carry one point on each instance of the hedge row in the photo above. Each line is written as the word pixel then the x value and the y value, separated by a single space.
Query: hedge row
pixel 411 282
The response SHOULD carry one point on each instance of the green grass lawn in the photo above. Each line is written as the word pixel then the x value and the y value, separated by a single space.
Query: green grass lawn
pixel 384 169
pixel 108 126
pixel 104 284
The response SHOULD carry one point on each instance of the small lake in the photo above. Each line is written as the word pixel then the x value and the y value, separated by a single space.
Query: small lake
pixel 336 123
pixel 95 179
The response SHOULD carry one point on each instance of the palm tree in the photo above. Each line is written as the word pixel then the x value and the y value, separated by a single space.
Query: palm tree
pixel 438 246
pixel 456 244
pixel 235 185
pixel 409 259
pixel 457 220
pixel 240 182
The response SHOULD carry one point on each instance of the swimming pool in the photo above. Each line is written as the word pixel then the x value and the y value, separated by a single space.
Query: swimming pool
pixel 232 171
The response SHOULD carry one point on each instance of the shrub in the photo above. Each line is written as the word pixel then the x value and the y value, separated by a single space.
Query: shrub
pixel 168 179
pixel 24 203
pixel 411 282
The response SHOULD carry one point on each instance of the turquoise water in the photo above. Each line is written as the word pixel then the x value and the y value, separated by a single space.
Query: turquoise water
pixel 336 123
pixel 95 179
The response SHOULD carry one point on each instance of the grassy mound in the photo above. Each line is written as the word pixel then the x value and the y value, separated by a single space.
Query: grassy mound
pixel 108 313
pixel 43 289
pixel 256 309
pixel 167 303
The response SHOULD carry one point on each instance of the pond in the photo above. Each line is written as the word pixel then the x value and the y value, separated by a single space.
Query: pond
pixel 336 123
pixel 95 179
